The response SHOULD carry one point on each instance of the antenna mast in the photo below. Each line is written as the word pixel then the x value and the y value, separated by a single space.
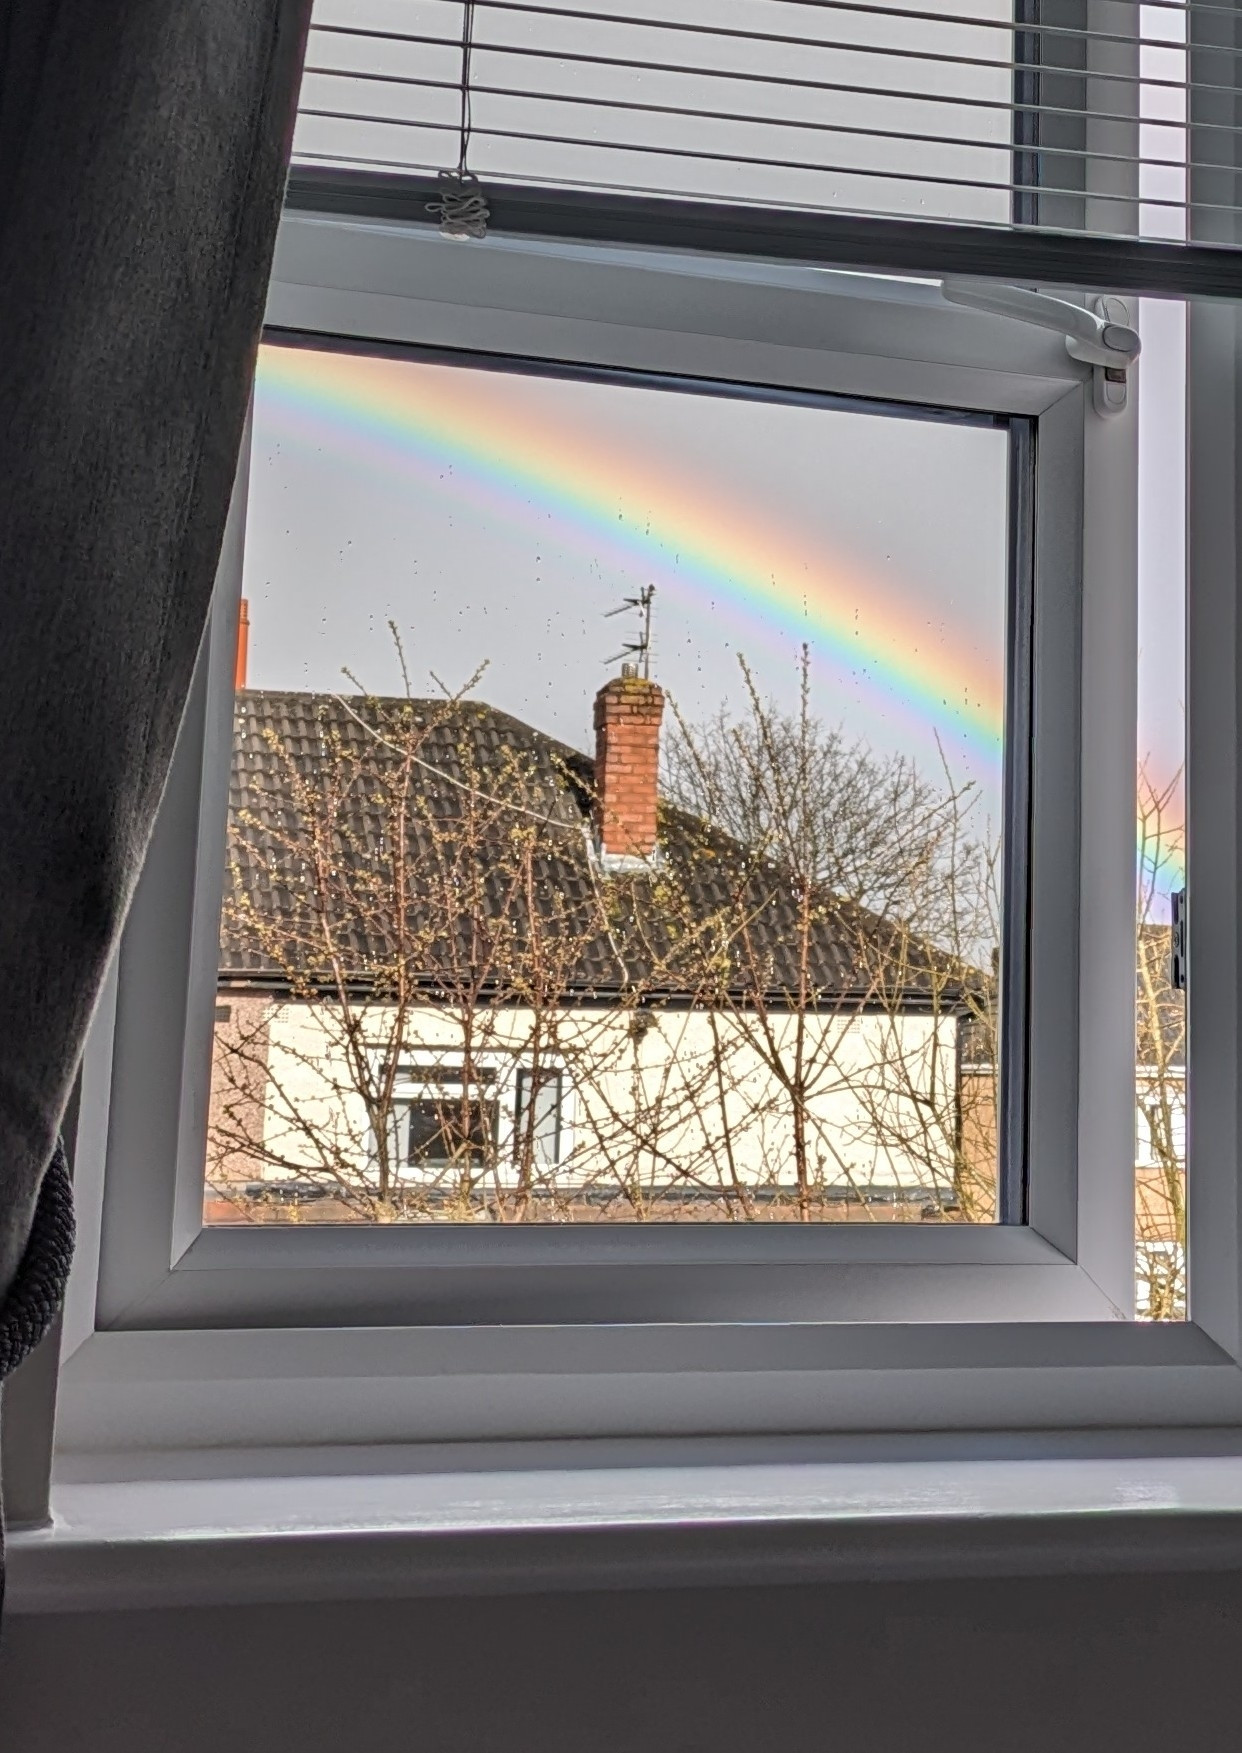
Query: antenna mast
pixel 636 651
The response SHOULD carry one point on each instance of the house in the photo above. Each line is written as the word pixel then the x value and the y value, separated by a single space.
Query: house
pixel 468 972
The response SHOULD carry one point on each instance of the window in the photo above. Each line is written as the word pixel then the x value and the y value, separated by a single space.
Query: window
pixel 446 1126
pixel 973 1265
pixel 929 1042
pixel 1162 1058
pixel 740 876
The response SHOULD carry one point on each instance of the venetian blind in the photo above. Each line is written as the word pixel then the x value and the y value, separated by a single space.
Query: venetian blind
pixel 1096 116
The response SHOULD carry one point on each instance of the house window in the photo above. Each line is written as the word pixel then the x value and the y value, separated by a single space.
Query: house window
pixel 451 1123
pixel 777 1167
pixel 1162 1036
pixel 660 732
pixel 463 1135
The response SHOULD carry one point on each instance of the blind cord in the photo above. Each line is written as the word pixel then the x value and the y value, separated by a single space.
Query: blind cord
pixel 461 208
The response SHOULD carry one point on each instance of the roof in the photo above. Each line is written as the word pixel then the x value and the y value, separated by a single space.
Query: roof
pixel 500 878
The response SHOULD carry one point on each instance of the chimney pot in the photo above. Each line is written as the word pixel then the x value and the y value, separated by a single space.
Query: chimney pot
pixel 242 663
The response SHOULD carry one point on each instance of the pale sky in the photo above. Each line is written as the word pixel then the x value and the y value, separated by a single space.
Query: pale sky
pixel 498 518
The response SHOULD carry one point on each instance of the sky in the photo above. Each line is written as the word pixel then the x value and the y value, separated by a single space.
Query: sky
pixel 498 518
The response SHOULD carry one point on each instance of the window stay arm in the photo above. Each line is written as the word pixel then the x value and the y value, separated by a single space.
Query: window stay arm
pixel 1100 337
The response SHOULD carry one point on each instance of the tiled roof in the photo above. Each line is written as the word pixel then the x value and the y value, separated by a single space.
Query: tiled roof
pixel 479 777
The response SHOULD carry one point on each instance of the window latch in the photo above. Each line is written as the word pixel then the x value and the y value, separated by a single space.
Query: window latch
pixel 1178 941
pixel 1100 337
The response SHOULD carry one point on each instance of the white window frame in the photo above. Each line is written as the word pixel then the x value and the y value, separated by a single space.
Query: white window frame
pixel 507 1069
pixel 178 1335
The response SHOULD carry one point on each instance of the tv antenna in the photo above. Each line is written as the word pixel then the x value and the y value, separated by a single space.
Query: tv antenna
pixel 636 652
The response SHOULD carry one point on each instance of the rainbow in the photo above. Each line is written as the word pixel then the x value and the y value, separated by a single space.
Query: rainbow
pixel 1162 851
pixel 429 422
pixel 426 420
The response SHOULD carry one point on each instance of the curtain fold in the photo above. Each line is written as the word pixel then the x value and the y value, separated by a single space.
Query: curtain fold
pixel 143 150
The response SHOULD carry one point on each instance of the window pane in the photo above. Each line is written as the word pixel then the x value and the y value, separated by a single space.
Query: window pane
pixel 1160 1038
pixel 449 1131
pixel 635 757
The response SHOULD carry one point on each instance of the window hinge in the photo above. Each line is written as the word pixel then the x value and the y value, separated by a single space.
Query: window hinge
pixel 1178 942
pixel 1100 337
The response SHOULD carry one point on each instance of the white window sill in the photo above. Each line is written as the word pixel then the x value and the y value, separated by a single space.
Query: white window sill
pixel 195 1542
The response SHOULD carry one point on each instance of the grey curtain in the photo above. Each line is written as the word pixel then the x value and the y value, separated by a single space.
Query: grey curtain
pixel 143 146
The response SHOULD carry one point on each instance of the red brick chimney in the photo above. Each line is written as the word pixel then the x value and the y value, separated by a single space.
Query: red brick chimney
pixel 242 663
pixel 628 710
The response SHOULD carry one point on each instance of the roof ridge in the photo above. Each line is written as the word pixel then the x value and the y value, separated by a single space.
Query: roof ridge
pixel 309 695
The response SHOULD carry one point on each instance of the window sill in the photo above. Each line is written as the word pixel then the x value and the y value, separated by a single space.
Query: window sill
pixel 192 1542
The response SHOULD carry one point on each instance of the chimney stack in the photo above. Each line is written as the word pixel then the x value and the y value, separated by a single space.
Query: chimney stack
pixel 243 647
pixel 628 710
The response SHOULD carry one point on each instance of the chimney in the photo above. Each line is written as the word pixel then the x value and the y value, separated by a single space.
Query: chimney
pixel 628 710
pixel 243 647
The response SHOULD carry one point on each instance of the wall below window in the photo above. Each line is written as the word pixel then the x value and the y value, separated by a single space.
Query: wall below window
pixel 1092 1663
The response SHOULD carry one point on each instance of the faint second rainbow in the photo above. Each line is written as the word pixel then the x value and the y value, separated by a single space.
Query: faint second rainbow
pixel 432 420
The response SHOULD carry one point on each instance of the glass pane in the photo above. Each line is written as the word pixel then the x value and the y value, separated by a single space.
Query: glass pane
pixel 1160 1037
pixel 445 1131
pixel 635 748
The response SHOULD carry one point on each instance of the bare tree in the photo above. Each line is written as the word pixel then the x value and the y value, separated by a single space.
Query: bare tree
pixel 873 829
pixel 1160 1061
pixel 897 1062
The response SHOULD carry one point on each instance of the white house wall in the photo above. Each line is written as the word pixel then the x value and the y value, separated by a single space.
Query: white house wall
pixel 683 1098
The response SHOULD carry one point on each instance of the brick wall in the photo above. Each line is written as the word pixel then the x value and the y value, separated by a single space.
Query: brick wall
pixel 238 1096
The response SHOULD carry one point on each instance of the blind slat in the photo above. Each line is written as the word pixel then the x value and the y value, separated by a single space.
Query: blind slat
pixel 864 8
pixel 482 89
pixel 768 163
pixel 886 52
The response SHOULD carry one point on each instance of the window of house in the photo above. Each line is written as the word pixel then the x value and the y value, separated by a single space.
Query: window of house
pixel 694 724
pixel 658 733
pixel 665 756
pixel 448 1127
pixel 1161 1032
